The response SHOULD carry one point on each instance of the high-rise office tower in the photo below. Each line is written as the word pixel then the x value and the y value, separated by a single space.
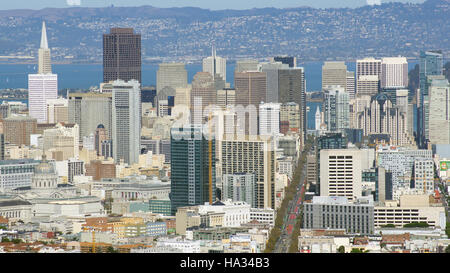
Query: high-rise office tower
pixel 290 117
pixel 351 84
pixel 203 90
pixel 203 87
pixel 367 67
pixel 215 65
pixel 384 118
pixel 17 129
pixel 431 64
pixel 271 70
pixel 292 88
pixel 5 110
pixel 250 89
pixel 291 61
pixel 57 110
pixel 367 85
pixel 44 85
pixel 2 147
pixel 171 75
pixel 356 106
pixel 240 187
pixel 45 65
pixel 183 96
pixel 243 155
pixel 394 72
pixel 226 97
pixel 328 141
pixel 126 125
pixel 336 108
pixel 334 73
pixel 246 65
pixel 148 94
pixel 193 175
pixel 341 173
pixel 122 55
pixel 269 119
pixel 41 87
pixel 89 110
pixel 439 119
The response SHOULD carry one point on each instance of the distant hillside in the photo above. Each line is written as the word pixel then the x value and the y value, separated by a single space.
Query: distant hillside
pixel 188 33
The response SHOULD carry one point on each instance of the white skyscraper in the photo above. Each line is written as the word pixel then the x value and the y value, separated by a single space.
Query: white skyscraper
pixel 394 72
pixel 44 85
pixel 341 173
pixel 439 115
pixel 269 118
pixel 215 65
pixel 126 121
pixel 41 87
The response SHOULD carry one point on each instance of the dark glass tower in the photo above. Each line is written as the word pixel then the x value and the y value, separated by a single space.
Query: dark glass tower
pixel 190 167
pixel 292 88
pixel 431 63
pixel 291 61
pixel 122 55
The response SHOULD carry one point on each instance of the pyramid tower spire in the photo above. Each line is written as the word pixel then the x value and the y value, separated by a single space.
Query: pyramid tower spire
pixel 45 66
pixel 44 41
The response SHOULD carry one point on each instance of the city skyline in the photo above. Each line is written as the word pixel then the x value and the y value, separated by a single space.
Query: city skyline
pixel 213 5
pixel 220 158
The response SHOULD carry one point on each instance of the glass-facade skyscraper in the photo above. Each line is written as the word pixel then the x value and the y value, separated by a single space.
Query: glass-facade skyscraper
pixel 122 55
pixel 191 154
pixel 431 63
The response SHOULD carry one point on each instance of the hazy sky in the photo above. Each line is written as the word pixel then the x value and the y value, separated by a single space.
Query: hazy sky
pixel 208 4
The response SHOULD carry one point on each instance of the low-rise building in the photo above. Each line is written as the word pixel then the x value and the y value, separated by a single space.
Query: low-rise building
pixel 337 212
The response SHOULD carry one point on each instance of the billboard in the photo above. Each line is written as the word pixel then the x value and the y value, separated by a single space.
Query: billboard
pixel 444 165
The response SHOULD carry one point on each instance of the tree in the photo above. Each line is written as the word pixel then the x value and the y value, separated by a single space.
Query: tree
pixel 416 224
pixel 447 249
pixel 16 241
pixel 357 250
pixel 341 249
pixel 5 240
pixel 111 249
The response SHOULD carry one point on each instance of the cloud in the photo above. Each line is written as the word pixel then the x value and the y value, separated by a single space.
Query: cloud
pixel 73 2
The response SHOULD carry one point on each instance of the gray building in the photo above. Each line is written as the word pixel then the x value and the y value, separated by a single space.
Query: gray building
pixel 171 75
pixel 292 88
pixel 335 212
pixel 336 108
pixel 16 173
pixel 122 55
pixel 157 146
pixel 239 187
pixel 271 70
pixel 89 110
pixel 126 114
